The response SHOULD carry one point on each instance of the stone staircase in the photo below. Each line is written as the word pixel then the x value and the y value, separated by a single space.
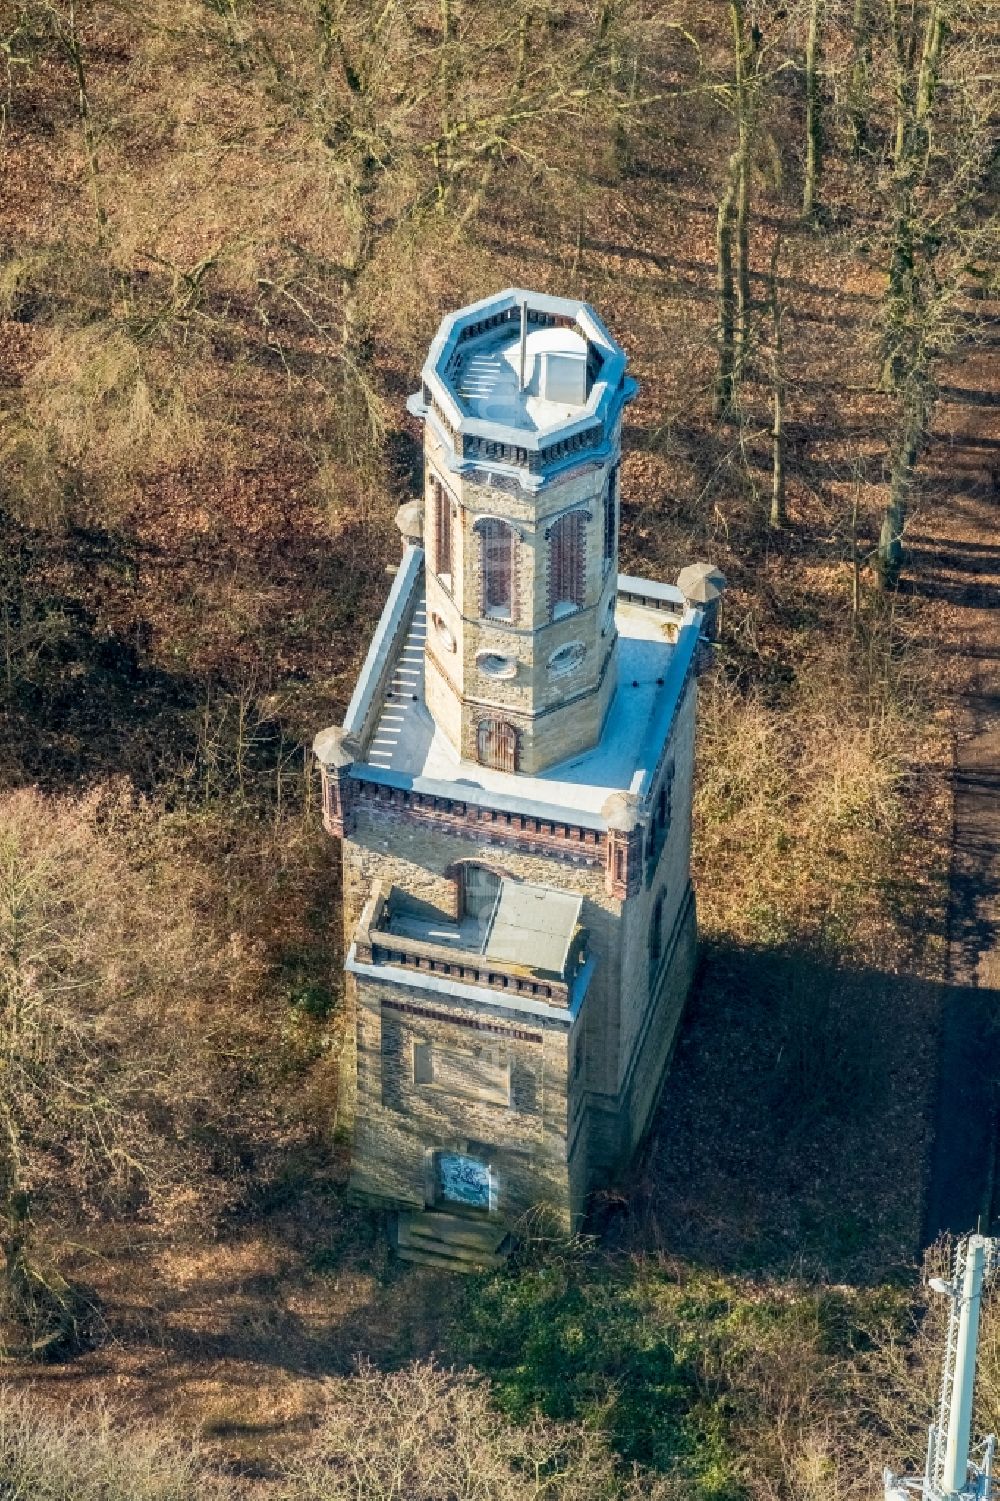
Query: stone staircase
pixel 407 684
pixel 433 1238
pixel 481 373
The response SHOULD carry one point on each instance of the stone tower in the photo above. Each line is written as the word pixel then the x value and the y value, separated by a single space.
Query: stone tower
pixel 512 788
pixel 522 400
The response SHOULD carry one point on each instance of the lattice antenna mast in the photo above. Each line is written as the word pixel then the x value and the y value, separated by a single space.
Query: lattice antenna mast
pixel 957 1470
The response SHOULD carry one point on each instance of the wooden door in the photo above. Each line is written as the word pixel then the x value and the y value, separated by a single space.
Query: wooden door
pixel 496 745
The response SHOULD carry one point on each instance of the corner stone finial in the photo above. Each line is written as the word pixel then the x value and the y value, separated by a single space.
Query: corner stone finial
pixel 623 876
pixel 335 748
pixel 410 521
pixel 621 810
pixel 703 584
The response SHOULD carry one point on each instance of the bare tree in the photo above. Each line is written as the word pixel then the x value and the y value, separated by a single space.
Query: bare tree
pixel 942 229
pixel 778 513
pixel 90 961
pixel 744 49
pixel 725 379
pixel 814 111
pixel 422 1433
pixel 859 86
pixel 732 235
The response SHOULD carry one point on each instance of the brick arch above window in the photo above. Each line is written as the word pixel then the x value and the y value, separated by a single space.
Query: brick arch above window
pixel 567 575
pixel 443 510
pixel 499 545
pixel 453 872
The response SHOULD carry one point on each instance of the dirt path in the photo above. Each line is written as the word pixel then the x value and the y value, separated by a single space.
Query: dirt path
pixel 956 555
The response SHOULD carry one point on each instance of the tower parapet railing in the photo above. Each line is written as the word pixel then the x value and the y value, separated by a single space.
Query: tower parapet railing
pixel 376 944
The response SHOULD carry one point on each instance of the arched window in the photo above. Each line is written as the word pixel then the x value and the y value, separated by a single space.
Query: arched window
pixel 610 517
pixel 496 744
pixel 497 543
pixel 443 537
pixel 567 564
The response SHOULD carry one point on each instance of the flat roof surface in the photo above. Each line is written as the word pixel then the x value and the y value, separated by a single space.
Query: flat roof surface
pixel 488 380
pixel 533 926
pixel 529 926
pixel 409 748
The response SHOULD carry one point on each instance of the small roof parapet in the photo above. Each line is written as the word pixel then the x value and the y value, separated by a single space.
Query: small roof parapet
pixel 335 748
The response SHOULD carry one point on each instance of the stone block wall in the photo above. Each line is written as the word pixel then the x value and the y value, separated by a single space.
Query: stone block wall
pixel 669 876
pixel 421 860
pixel 610 1061
pixel 484 1055
pixel 657 1040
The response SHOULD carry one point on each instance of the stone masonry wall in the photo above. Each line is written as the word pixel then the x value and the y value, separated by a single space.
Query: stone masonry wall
pixel 599 1091
pixel 416 858
pixel 571 706
pixel 402 1122
pixel 670 877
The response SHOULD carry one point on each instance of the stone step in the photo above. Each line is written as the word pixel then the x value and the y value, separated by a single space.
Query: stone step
pixel 450 1239
pixel 447 1260
pixel 454 1231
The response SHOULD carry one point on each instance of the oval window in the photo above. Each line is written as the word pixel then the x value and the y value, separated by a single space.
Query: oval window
pixel 446 638
pixel 566 658
pixel 496 666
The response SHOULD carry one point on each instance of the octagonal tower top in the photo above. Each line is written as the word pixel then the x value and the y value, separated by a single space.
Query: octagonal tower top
pixel 524 385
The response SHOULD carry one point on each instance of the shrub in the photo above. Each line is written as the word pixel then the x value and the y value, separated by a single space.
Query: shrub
pixel 91 1457
pixel 423 1434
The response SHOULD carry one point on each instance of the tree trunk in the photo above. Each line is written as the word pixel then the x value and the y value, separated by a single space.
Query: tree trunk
pixel 859 97
pixel 814 112
pixel 855 558
pixel 902 46
pixel 16 1292
pixel 930 60
pixel 927 78
pixel 68 34
pixel 778 512
pixel 889 561
pixel 725 334
pixel 444 151
pixel 743 126
pixel 899 296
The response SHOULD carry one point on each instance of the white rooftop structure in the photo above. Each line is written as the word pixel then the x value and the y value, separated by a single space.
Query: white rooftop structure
pixel 555 379
pixel 400 744
pixel 523 382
